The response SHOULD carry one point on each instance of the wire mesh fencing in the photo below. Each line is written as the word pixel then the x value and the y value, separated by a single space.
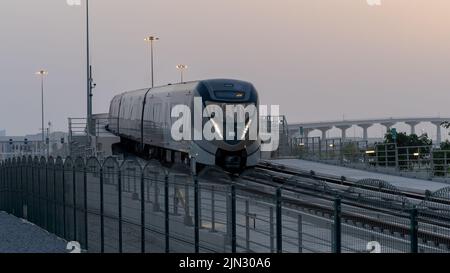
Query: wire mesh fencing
pixel 112 206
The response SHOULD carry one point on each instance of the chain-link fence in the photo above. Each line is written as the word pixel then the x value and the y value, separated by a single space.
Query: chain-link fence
pixel 125 206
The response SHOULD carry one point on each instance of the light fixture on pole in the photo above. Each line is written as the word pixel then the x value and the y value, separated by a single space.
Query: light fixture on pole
pixel 77 3
pixel 42 73
pixel 150 40
pixel 182 67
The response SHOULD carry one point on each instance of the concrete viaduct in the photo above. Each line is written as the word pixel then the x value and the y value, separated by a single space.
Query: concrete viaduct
pixel 365 125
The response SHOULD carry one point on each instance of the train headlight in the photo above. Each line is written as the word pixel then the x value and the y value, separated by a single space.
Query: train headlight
pixel 217 128
pixel 247 127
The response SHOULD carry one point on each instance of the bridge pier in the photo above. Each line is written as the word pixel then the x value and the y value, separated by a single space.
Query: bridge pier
pixel 413 125
pixel 438 132
pixel 365 128
pixel 324 131
pixel 344 128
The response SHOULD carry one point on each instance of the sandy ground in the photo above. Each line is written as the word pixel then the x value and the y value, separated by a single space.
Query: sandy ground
pixel 20 236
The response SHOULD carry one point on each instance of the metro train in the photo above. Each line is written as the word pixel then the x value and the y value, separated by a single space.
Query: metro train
pixel 142 119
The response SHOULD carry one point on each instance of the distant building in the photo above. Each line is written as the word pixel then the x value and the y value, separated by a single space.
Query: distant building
pixel 2 133
pixel 11 146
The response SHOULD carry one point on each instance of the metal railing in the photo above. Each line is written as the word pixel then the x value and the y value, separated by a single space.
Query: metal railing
pixel 80 142
pixel 415 161
pixel 125 206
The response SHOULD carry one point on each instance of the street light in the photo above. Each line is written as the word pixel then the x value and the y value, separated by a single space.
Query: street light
pixel 150 40
pixel 89 82
pixel 181 67
pixel 42 74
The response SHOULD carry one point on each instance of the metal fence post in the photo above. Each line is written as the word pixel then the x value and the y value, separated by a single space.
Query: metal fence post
pixel 102 213
pixel 8 192
pixel 247 225
pixel 213 213
pixel 414 231
pixel 1 186
pixel 119 185
pixel 54 199
pixel 142 212
pixel 187 212
pixel 233 218
pixel 196 215
pixel 11 190
pixel 47 200
pixel 63 200
pixel 74 189
pixel 156 207
pixel 271 231
pixel 21 201
pixel 432 164
pixel 320 149
pixel 30 187
pixel 19 190
pixel 86 237
pixel 300 233
pixel 166 212
pixel 279 228
pixel 175 199
pixel 8 187
pixel 337 226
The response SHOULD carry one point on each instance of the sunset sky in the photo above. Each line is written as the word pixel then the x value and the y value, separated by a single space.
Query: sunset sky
pixel 317 59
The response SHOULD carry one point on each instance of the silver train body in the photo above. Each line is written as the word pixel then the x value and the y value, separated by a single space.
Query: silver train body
pixel 142 119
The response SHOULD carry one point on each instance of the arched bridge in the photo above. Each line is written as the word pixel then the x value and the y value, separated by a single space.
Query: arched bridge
pixel 365 124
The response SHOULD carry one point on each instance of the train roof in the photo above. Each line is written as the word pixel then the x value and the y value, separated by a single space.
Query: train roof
pixel 211 84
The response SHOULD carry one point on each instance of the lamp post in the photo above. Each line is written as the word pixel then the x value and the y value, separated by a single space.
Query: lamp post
pixel 182 67
pixel 88 68
pixel 150 40
pixel 42 74
pixel 88 76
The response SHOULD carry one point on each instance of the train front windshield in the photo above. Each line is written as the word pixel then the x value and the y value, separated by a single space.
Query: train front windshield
pixel 237 119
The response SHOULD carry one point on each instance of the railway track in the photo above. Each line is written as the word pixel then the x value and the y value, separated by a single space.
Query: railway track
pixel 334 180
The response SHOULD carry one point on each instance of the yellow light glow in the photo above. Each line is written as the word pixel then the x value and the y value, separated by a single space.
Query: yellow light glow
pixel 151 38
pixel 370 152
pixel 42 72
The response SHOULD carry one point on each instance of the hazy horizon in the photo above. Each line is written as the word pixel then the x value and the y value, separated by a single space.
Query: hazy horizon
pixel 317 59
